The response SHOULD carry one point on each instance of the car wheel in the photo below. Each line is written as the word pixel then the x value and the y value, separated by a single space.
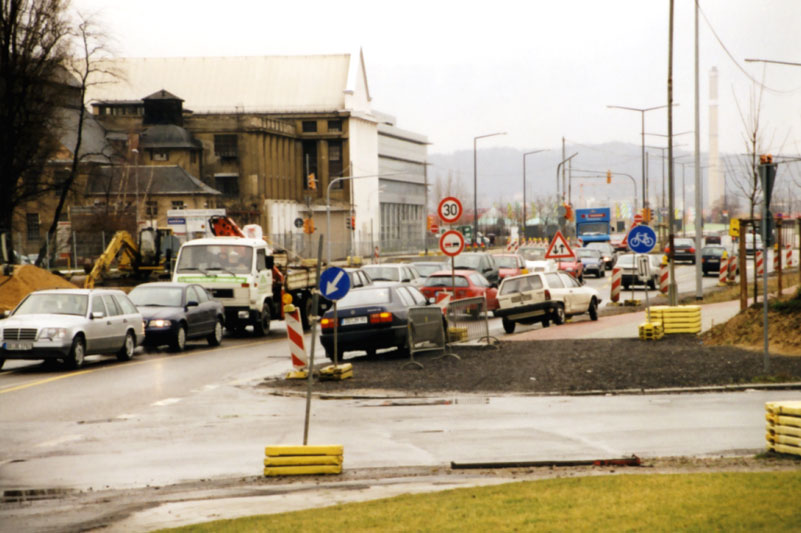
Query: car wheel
pixel 601 273
pixel 546 321
pixel 692 261
pixel 626 286
pixel 262 326
pixel 3 361
pixel 306 312
pixel 652 285
pixel 508 325
pixel 215 338
pixel 593 310
pixel 77 353
pixel 371 352
pixel 559 315
pixel 179 341
pixel 127 350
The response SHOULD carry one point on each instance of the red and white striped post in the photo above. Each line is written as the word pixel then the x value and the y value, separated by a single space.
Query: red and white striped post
pixel 760 263
pixel 294 330
pixel 724 271
pixel 789 254
pixel 616 279
pixel 776 258
pixel 664 279
pixel 732 268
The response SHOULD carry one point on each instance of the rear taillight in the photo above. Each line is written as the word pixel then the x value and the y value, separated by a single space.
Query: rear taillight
pixel 547 294
pixel 326 323
pixel 692 250
pixel 378 318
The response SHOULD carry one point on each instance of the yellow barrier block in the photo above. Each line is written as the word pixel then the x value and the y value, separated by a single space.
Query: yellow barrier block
pixel 331 370
pixel 783 448
pixel 783 439
pixel 302 470
pixel 297 374
pixel 784 430
pixel 791 407
pixel 288 449
pixel 457 334
pixel 782 420
pixel 303 460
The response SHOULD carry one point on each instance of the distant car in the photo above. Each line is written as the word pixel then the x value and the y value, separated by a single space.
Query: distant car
pixel 177 312
pixel 370 319
pixel 426 268
pixel 752 244
pixel 572 266
pixel 510 265
pixel 525 299
pixel 463 284
pixel 389 273
pixel 69 324
pixel 685 250
pixel 576 298
pixel 628 271
pixel 592 261
pixel 712 239
pixel 481 262
pixel 358 278
pixel 607 251
pixel 616 240
pixel 535 259
pixel 711 256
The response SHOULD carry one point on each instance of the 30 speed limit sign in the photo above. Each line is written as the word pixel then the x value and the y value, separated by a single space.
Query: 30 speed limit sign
pixel 450 209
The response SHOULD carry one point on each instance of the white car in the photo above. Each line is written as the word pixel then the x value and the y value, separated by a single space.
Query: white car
pixel 535 259
pixel 69 324
pixel 576 298
pixel 393 273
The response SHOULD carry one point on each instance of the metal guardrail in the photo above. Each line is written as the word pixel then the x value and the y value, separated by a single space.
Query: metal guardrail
pixel 426 330
pixel 468 321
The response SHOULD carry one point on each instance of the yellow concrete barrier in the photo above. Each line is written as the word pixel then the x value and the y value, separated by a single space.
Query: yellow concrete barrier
pixel 677 319
pixel 784 427
pixel 288 460
pixel 336 372
pixel 651 331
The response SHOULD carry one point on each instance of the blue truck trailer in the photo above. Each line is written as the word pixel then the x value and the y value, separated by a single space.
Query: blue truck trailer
pixel 593 225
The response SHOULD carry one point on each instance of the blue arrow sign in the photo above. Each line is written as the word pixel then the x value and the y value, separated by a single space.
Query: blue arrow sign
pixel 641 239
pixel 334 283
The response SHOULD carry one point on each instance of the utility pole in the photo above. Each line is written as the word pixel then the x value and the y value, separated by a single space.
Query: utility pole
pixel 699 219
pixel 673 288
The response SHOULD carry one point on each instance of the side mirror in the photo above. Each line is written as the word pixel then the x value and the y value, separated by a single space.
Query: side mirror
pixel 270 260
pixel 6 314
pixel 96 315
pixel 191 303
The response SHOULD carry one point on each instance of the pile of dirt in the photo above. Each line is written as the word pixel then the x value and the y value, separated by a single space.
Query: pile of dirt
pixel 745 329
pixel 24 280
pixel 562 366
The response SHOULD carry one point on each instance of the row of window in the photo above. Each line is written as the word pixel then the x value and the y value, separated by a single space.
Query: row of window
pixel 310 126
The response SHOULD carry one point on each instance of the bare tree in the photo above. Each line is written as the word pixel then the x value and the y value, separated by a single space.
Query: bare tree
pixel 34 43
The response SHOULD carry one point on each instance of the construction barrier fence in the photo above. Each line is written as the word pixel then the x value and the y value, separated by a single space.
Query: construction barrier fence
pixel 427 330
pixel 468 321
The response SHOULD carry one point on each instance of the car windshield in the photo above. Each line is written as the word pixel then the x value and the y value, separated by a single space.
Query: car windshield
pixel 362 297
pixel 683 242
pixel 533 254
pixel 382 273
pixel 446 281
pixel 426 269
pixel 506 261
pixel 713 250
pixel 592 254
pixel 593 228
pixel 234 259
pixel 156 296
pixel 53 304
pixel 469 261
pixel 600 246
pixel 626 260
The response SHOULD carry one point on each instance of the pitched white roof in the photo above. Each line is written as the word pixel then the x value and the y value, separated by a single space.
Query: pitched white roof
pixel 268 84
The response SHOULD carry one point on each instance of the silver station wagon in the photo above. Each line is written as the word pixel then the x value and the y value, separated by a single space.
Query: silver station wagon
pixel 69 324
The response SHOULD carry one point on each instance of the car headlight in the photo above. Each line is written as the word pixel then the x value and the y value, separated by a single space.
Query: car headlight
pixel 53 333
pixel 160 323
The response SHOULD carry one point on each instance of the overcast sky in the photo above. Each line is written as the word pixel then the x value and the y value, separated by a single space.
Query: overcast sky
pixel 537 70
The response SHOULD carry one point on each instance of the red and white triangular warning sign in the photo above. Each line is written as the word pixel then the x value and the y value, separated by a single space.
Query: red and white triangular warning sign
pixel 559 249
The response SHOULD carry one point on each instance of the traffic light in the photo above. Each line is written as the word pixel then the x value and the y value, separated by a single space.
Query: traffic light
pixel 311 182
pixel 765 159
pixel 608 176
pixel 568 212
pixel 429 222
pixel 308 226
pixel 350 222
pixel 347 222
pixel 646 214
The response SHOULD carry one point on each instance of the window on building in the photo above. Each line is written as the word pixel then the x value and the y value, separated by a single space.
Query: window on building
pixel 60 177
pixel 178 204
pixel 309 126
pixel 32 222
pixel 335 162
pixel 160 155
pixel 335 125
pixel 225 146
pixel 151 208
pixel 228 184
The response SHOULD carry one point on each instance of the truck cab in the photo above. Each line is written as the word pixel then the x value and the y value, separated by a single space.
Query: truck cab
pixel 238 271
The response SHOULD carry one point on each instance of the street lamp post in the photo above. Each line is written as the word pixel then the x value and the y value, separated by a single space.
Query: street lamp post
pixel 475 182
pixel 642 111
pixel 524 187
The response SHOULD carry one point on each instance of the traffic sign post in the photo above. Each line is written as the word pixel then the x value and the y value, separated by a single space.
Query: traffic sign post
pixel 451 243
pixel 559 248
pixel 641 239
pixel 334 285
pixel 450 209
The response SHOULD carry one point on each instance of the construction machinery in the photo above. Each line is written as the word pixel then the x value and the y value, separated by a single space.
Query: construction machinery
pixel 151 255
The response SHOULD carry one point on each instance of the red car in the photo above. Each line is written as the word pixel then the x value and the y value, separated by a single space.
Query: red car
pixel 573 266
pixel 510 265
pixel 468 284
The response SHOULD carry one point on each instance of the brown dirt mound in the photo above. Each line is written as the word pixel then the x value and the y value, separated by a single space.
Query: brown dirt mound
pixel 24 280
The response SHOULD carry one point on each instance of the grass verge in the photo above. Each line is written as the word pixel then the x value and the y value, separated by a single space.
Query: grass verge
pixel 761 501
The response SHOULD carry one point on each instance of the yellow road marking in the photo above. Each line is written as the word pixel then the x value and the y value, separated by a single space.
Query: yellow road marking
pixel 128 364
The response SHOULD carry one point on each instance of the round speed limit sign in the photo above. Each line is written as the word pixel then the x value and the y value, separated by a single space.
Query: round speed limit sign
pixel 450 209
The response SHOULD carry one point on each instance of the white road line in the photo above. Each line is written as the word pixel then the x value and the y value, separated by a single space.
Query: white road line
pixel 61 440
pixel 166 401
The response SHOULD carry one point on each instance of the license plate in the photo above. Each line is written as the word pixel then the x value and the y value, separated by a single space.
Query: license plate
pixel 350 321
pixel 18 346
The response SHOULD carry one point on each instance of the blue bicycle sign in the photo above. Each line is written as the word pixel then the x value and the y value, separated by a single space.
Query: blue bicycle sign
pixel 641 239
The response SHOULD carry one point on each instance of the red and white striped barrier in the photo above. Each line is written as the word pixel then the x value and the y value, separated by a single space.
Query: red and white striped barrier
pixel 776 257
pixel 664 279
pixel 512 246
pixel 732 268
pixel 724 271
pixel 760 263
pixel 294 330
pixel 789 254
pixel 616 279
